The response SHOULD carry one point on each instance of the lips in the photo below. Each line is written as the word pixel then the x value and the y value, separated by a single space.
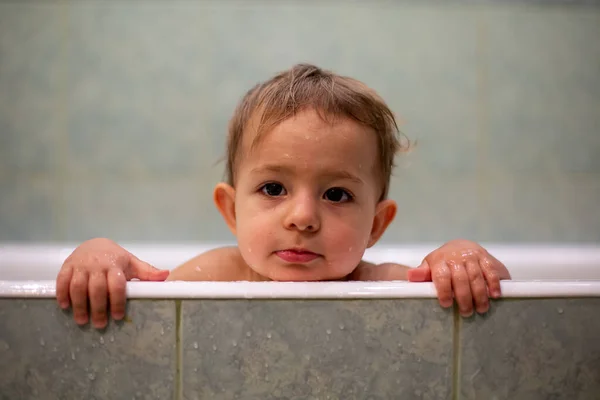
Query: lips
pixel 296 255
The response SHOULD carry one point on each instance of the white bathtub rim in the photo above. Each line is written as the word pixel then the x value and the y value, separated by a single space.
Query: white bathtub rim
pixel 42 261
pixel 306 290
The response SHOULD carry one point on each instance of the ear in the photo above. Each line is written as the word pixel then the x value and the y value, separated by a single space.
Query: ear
pixel 384 215
pixel 224 198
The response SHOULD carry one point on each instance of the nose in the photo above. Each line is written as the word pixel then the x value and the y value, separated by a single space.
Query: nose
pixel 303 214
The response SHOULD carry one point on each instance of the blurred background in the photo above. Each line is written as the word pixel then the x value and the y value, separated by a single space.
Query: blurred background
pixel 113 115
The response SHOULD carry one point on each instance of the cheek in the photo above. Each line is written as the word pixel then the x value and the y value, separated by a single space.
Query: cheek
pixel 347 241
pixel 254 233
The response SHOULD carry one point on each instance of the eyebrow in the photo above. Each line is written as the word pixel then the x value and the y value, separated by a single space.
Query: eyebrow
pixel 332 174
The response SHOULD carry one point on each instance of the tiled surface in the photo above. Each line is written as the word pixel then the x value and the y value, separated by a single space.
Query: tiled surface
pixel 434 207
pixel 316 349
pixel 544 93
pixel 32 49
pixel 32 81
pixel 105 110
pixel 44 355
pixel 29 209
pixel 532 349
pixel 152 210
pixel 542 209
pixel 139 98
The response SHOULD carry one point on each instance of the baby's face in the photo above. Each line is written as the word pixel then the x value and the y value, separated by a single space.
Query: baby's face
pixel 306 197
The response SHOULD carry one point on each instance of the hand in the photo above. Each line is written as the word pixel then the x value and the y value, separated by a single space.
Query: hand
pixel 99 269
pixel 468 269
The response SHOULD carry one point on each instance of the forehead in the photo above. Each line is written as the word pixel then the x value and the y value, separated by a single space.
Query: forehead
pixel 308 137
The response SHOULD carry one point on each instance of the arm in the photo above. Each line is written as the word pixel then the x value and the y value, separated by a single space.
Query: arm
pixel 223 264
pixel 380 272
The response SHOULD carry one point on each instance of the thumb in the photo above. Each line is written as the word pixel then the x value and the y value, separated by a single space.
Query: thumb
pixel 146 272
pixel 420 274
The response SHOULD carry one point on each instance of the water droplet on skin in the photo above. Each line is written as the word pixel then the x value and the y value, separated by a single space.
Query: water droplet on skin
pixel 269 335
pixel 248 334
pixel 199 269
pixel 195 345
pixel 328 331
pixel 101 339
pixel 341 327
pixel 350 249
pixel 249 250
pixel 560 310
pixel 92 377
pixel 42 342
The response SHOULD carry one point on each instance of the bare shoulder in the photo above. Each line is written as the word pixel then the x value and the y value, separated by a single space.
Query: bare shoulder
pixel 379 272
pixel 222 264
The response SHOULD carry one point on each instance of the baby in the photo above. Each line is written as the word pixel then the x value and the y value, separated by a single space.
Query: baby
pixel 309 159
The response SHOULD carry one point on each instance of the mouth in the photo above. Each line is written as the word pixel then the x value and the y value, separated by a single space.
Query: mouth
pixel 297 255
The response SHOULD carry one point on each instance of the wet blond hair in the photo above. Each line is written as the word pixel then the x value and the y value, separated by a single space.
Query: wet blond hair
pixel 305 87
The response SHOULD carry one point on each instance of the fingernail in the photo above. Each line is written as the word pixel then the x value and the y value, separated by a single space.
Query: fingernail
pixel 466 313
pixel 64 305
pixel 118 316
pixel 99 324
pixel 496 293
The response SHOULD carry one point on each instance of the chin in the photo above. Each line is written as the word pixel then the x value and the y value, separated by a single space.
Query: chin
pixel 305 276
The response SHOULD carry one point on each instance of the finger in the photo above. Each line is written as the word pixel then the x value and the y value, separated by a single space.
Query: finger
pixel 63 281
pixel 478 286
pixel 98 295
pixel 462 289
pixel 489 268
pixel 146 272
pixel 116 292
pixel 443 283
pixel 78 292
pixel 420 274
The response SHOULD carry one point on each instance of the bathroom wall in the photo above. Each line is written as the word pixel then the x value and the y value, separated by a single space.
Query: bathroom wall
pixel 113 114
pixel 523 349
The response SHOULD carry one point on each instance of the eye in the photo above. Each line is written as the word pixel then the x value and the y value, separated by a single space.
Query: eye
pixel 337 195
pixel 273 189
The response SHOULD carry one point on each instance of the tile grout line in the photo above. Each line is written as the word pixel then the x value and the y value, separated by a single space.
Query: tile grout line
pixel 482 118
pixel 61 230
pixel 178 395
pixel 456 353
